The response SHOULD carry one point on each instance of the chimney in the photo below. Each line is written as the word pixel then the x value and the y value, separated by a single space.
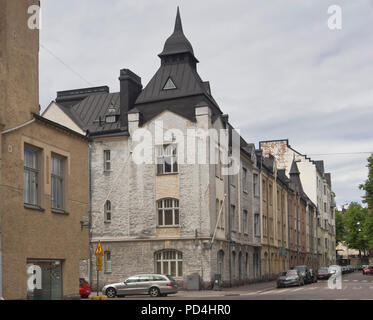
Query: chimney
pixel 130 88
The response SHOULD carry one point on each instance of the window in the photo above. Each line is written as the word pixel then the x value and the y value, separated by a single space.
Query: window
pixel 107 261
pixel 168 212
pixel 169 262
pixel 107 160
pixel 233 218
pixel 222 216
pixel 244 179
pixel 31 176
pixel 218 162
pixel 111 119
pixel 257 225
pixel 57 182
pixel 167 159
pixel 326 243
pixel 324 206
pixel 170 85
pixel 107 211
pixel 256 185
pixel 245 227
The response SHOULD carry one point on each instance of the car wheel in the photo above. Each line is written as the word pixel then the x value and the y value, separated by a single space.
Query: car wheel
pixel 111 293
pixel 154 292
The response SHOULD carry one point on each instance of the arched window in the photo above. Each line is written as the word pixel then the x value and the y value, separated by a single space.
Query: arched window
pixel 168 212
pixel 107 211
pixel 169 262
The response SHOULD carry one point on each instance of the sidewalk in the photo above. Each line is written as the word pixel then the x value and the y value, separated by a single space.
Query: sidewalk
pixel 233 291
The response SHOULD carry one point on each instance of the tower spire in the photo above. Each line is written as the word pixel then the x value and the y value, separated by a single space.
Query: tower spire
pixel 178 25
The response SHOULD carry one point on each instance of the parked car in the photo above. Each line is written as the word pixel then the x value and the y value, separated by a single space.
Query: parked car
pixel 305 273
pixel 313 276
pixel 344 269
pixel 290 278
pixel 154 285
pixel 84 288
pixel 323 274
pixel 363 266
pixel 368 270
pixel 350 269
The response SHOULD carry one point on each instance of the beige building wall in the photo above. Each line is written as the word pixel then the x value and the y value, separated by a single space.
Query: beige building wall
pixel 41 233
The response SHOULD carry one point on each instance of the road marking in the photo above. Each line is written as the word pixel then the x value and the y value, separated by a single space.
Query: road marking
pixel 297 289
pixel 355 280
pixel 266 292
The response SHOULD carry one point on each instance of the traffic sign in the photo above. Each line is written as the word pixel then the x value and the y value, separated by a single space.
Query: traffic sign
pixel 99 263
pixel 99 251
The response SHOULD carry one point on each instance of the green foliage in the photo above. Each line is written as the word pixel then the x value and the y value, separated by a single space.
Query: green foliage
pixel 368 185
pixel 354 222
pixel 339 227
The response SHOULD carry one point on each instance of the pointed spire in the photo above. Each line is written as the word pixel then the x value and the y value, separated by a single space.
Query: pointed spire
pixel 178 25
pixel 177 43
pixel 294 168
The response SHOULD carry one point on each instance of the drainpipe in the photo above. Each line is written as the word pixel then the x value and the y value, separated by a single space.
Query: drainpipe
pixel 229 231
pixel 1 271
pixel 90 212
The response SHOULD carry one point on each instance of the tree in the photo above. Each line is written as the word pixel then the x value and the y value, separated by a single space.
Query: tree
pixel 354 222
pixel 339 227
pixel 368 199
pixel 368 185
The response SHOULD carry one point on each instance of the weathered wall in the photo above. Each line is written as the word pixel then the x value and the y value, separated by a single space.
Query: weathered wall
pixel 43 234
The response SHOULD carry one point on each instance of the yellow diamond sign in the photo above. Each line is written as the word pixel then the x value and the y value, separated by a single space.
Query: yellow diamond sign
pixel 99 251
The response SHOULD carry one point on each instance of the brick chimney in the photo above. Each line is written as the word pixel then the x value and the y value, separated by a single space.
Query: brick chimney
pixel 130 88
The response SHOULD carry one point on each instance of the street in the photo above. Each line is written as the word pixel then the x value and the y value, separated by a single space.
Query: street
pixel 355 286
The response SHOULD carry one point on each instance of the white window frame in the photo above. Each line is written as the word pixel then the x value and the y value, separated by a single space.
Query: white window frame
pixel 167 258
pixel 168 204
pixel 244 179
pixel 167 159
pixel 58 177
pixel 32 170
pixel 107 160
pixel 107 262
pixel 107 211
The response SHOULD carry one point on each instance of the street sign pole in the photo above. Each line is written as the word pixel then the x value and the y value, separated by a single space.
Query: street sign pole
pixel 98 253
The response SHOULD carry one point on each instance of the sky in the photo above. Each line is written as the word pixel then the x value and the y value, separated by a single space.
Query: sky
pixel 274 66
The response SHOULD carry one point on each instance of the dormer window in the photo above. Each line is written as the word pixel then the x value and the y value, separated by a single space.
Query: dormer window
pixel 170 85
pixel 111 119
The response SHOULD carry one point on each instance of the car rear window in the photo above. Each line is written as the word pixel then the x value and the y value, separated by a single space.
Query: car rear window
pixel 169 277
pixel 292 272
pixel 159 278
pixel 323 270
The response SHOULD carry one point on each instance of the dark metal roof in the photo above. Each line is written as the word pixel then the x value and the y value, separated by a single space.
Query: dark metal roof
pixel 185 78
pixel 177 42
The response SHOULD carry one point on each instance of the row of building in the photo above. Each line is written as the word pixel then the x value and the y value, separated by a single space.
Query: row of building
pixel 157 174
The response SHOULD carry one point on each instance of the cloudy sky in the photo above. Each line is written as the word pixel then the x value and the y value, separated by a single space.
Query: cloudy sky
pixel 274 66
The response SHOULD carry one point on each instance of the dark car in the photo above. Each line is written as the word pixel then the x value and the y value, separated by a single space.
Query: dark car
pixel 313 275
pixel 290 278
pixel 368 270
pixel 305 273
pixel 84 288
pixel 323 274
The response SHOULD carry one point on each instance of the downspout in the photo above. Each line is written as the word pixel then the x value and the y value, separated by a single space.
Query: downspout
pixel 229 231
pixel 90 212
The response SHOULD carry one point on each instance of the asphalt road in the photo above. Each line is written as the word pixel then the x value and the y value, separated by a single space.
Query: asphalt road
pixel 355 286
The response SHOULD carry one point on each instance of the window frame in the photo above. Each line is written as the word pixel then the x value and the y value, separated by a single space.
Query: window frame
pixel 257 230
pixel 37 172
pixel 107 210
pixel 107 161
pixel 175 208
pixel 107 262
pixel 161 163
pixel 163 257
pixel 61 178
pixel 244 179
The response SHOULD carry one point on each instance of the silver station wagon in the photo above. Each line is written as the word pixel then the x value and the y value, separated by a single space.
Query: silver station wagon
pixel 155 285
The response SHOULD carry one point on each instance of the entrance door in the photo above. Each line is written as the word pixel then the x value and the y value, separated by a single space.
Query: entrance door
pixel 44 280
